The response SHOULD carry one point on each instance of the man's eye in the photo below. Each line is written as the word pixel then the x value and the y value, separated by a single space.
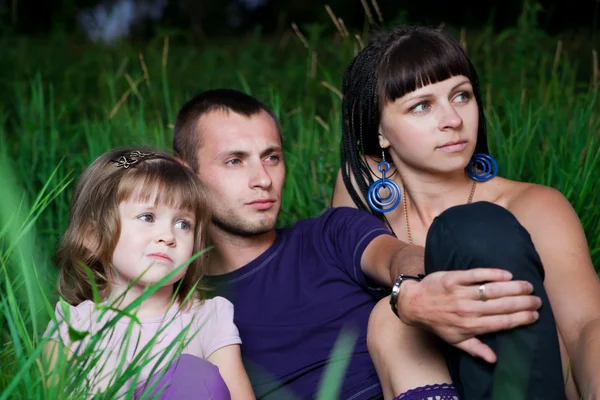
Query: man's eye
pixel 234 161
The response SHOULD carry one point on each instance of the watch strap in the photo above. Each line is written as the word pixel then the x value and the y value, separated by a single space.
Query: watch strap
pixel 396 288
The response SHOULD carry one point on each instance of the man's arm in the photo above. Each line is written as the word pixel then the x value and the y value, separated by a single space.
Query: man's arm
pixel 386 257
pixel 447 303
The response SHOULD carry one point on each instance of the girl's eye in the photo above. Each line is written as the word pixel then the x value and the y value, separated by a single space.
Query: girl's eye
pixel 183 224
pixel 146 217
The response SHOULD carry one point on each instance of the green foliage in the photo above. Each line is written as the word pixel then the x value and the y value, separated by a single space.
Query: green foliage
pixel 64 103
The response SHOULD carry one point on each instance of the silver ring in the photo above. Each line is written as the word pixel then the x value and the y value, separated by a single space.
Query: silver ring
pixel 482 293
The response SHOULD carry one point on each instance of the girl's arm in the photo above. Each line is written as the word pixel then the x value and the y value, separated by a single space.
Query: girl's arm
pixel 572 284
pixel 50 357
pixel 53 353
pixel 229 361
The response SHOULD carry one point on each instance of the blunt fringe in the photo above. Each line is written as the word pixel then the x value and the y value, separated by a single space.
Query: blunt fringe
pixel 93 228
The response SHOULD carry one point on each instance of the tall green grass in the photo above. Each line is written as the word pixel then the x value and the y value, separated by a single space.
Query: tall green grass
pixel 63 103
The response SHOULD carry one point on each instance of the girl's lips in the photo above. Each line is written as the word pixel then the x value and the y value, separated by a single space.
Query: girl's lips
pixel 161 256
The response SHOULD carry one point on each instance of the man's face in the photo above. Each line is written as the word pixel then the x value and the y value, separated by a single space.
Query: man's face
pixel 240 161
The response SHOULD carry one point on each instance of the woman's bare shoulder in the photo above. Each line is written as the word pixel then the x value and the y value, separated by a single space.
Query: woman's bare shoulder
pixel 532 200
pixel 532 204
pixel 513 195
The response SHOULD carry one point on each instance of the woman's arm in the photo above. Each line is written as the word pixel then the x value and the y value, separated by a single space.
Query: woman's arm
pixel 572 284
pixel 229 361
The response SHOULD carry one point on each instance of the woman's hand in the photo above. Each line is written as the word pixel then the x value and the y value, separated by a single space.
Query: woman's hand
pixel 448 304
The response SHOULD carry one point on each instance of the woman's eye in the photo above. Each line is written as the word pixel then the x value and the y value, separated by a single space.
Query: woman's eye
pixel 183 224
pixel 421 107
pixel 463 97
pixel 146 217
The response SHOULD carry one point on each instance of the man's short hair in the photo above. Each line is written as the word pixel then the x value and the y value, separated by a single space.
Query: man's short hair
pixel 187 135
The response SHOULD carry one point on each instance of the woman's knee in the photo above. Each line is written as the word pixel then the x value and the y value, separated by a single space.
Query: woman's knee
pixel 481 226
pixel 480 235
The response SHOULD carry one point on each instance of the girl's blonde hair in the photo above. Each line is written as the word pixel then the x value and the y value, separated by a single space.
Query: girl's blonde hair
pixel 94 226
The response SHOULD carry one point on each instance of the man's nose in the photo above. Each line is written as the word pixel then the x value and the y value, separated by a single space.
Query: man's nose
pixel 260 177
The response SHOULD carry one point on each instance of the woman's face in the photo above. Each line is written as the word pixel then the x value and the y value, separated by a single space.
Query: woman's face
pixel 432 129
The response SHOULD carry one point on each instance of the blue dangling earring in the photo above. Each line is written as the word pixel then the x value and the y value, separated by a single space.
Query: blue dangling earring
pixel 376 201
pixel 482 167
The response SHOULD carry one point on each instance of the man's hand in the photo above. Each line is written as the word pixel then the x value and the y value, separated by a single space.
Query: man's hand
pixel 449 305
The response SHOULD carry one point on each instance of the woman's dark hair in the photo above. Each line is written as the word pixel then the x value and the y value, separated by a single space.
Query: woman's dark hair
pixel 395 64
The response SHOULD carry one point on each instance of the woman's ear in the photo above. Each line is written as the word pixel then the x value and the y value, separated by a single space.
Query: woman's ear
pixel 383 142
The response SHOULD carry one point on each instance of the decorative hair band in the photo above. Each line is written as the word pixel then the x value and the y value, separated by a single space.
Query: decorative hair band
pixel 127 160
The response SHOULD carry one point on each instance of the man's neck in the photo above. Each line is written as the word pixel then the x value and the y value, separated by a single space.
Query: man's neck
pixel 231 252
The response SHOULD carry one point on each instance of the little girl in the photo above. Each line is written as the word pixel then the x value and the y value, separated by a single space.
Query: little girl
pixel 136 323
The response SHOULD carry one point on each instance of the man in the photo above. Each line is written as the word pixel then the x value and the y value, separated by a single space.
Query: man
pixel 296 290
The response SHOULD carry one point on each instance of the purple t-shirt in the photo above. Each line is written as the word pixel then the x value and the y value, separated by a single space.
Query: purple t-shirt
pixel 293 301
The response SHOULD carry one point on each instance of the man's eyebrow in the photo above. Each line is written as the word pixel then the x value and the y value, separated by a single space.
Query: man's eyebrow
pixel 244 154
pixel 271 150
pixel 232 153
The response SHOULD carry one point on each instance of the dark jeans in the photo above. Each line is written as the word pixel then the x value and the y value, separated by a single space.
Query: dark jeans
pixel 484 235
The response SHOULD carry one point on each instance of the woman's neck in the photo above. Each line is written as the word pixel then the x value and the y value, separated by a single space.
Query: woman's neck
pixel 427 196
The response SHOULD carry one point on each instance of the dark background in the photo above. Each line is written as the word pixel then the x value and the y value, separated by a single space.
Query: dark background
pixel 206 19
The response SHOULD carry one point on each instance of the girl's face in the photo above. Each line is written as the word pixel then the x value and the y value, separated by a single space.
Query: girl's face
pixel 155 239
pixel 433 128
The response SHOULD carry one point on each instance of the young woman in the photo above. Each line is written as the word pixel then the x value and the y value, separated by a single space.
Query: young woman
pixel 136 219
pixel 414 153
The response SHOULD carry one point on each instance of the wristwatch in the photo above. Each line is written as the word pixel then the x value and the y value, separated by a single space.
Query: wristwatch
pixel 396 288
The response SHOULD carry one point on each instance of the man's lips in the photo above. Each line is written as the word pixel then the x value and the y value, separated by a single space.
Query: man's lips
pixel 161 256
pixel 261 204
